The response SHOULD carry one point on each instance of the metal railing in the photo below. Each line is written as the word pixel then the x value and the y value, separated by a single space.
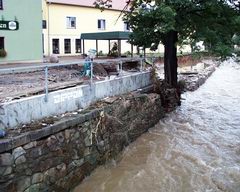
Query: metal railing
pixel 47 66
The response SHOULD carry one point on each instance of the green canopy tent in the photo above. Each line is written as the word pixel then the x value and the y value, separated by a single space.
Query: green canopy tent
pixel 112 35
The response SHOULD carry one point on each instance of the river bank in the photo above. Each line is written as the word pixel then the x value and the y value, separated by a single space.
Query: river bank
pixel 60 153
pixel 192 77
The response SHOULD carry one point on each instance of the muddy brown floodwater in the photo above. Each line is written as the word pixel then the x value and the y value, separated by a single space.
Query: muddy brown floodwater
pixel 194 149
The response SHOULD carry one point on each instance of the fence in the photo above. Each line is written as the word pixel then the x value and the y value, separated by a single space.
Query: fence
pixel 45 67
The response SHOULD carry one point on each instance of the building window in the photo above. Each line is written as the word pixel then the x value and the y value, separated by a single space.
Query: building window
pixel 126 26
pixel 55 45
pixel 1 4
pixel 44 24
pixel 101 24
pixel 78 46
pixel 1 42
pixel 71 22
pixel 67 46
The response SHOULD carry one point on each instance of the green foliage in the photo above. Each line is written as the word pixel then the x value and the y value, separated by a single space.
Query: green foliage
pixel 127 53
pixel 236 40
pixel 213 21
pixel 223 50
pixel 100 53
pixel 3 53
pixel 103 4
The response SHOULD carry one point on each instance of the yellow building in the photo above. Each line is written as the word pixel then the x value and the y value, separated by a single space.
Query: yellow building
pixel 65 20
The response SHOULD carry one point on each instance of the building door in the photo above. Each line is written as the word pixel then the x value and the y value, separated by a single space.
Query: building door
pixel 1 42
pixel 55 45
pixel 43 43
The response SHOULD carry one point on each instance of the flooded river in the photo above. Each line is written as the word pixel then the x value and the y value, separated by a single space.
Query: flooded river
pixel 194 149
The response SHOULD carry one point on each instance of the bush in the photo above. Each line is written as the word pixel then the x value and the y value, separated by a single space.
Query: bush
pixel 127 53
pixel 100 53
pixel 3 53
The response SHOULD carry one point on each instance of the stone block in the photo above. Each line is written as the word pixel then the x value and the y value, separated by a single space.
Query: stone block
pixel 60 137
pixel 84 129
pixel 73 122
pixel 6 159
pixel 34 188
pixel 5 145
pixel 35 152
pixel 53 144
pixel 77 163
pixel 61 167
pixel 20 160
pixel 2 170
pixel 37 178
pixel 28 172
pixel 50 176
pixel 92 158
pixel 88 141
pixel 55 173
pixel 67 134
pixel 8 171
pixel 87 151
pixel 59 126
pixel 38 134
pixel 52 140
pixel 74 154
pixel 20 140
pixel 76 136
pixel 30 145
pixel 87 124
pixel 21 168
pixel 49 163
pixel 9 186
pixel 23 183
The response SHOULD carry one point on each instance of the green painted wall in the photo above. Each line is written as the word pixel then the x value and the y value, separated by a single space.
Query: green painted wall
pixel 24 44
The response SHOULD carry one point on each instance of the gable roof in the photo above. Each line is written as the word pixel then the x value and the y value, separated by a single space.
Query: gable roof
pixel 116 4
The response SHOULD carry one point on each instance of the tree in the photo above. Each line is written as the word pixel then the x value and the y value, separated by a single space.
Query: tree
pixel 177 22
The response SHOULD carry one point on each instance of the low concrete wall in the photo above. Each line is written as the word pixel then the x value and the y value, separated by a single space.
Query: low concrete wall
pixel 34 108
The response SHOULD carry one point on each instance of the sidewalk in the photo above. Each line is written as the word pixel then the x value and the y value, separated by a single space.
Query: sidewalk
pixel 62 61
pixel 22 64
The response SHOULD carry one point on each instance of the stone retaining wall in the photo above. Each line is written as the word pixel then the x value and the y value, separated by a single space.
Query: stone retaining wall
pixel 59 156
pixel 193 81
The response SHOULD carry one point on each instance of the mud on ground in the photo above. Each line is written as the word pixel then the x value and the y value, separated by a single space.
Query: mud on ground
pixel 18 85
